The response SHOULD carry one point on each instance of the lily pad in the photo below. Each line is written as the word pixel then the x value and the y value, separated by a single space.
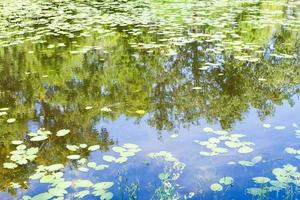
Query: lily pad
pixel 216 187
pixel 62 132
pixel 39 138
pixel 10 165
pixel 73 157
pixel 245 149
pixel 109 158
pixel 11 120
pixel 261 180
pixel 94 148
pixel 227 180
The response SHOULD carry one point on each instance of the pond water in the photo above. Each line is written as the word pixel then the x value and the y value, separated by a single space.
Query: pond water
pixel 157 99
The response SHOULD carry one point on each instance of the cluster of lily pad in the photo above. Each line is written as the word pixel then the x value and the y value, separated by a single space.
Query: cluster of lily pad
pixel 125 151
pixel 217 144
pixel 84 165
pixel 54 176
pixel 297 131
pixel 286 177
pixel 291 150
pixel 3 112
pixel 77 148
pixel 224 181
pixel 21 156
pixel 43 134
pixel 250 163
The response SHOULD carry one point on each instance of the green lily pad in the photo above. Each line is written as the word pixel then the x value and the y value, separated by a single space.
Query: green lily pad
pixel 118 149
pixel 39 138
pixel 246 163
pixel 73 157
pixel 57 192
pixel 140 112
pixel 83 169
pixel 130 146
pixel 103 185
pixel 10 165
pixel 101 167
pixel 72 147
pixel 21 147
pixel 94 148
pixel 17 142
pixel 279 127
pixel 256 159
pixel 109 158
pixel 11 120
pixel 55 167
pixel 62 132
pixel 227 180
pixel 92 165
pixel 83 183
pixel 121 160
pixel 83 146
pixel 107 196
pixel 245 149
pixel 216 187
pixel 82 194
pixel 261 180
pixel 42 196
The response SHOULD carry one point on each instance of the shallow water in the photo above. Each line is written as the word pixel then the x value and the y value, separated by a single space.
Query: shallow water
pixel 180 93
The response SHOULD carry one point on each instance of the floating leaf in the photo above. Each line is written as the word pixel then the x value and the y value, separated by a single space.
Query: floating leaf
pixel 73 157
pixel 130 146
pixel 92 165
pixel 216 187
pixel 17 142
pixel 246 163
pixel 103 185
pixel 279 127
pixel 55 167
pixel 21 147
pixel 82 194
pixel 62 132
pixel 267 125
pixel 94 148
pixel 105 109
pixel 140 112
pixel 261 180
pixel 101 167
pixel 42 196
pixel 208 129
pixel 227 180
pixel 39 138
pixel 10 165
pixel 11 120
pixel 245 149
pixel 118 149
pixel 121 160
pixel 83 169
pixel 83 146
pixel 109 158
pixel 256 159
pixel 107 196
pixel 57 192
pixel 83 183
pixel 72 147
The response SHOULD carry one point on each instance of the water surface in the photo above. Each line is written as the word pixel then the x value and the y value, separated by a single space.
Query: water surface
pixel 149 100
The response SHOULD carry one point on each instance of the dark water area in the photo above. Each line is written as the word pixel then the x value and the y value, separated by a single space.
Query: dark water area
pixel 149 100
